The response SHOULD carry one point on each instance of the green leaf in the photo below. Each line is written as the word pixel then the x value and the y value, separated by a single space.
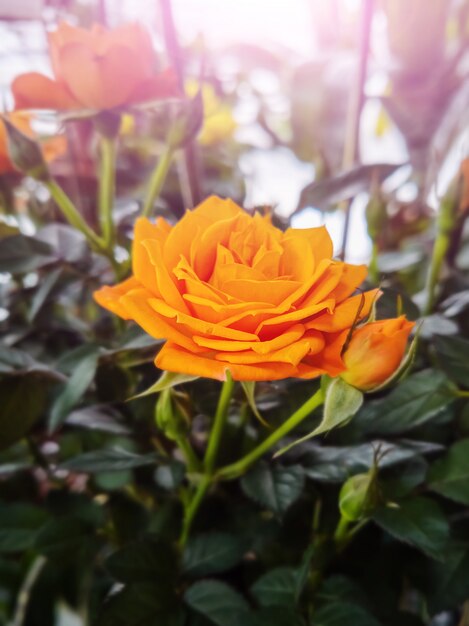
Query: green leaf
pixel 341 613
pixel 449 476
pixel 61 538
pixel 419 522
pixel 336 464
pixel 167 380
pixel 23 400
pixel 221 604
pixel 144 560
pixel 20 254
pixel 452 354
pixel 75 387
pixel 110 460
pixel 142 604
pixel 276 588
pixel 43 292
pixel 416 400
pixel 249 388
pixel 276 488
pixel 341 402
pixel 448 584
pixel 18 526
pixel 212 553
pixel 170 476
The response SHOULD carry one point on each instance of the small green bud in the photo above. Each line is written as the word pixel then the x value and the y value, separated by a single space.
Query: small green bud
pixel 25 153
pixel 358 496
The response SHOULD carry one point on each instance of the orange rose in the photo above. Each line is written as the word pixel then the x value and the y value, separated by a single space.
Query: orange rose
pixel 51 148
pixel 375 352
pixel 96 69
pixel 232 292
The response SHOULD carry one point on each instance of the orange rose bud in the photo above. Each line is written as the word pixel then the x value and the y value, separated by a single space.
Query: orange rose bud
pixel 375 352
pixel 96 69
pixel 230 292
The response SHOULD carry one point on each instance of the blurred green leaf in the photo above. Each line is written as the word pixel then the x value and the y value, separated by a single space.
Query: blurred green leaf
pixel 221 604
pixel 452 354
pixel 144 560
pixel 212 553
pixel 23 400
pixel 141 604
pixel 449 476
pixel 20 254
pixel 276 488
pixel 341 613
pixel 75 387
pixel 110 460
pixel 276 588
pixel 19 524
pixel 419 522
pixel 448 581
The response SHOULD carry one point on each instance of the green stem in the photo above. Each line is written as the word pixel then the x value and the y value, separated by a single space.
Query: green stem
pixel 107 176
pixel 239 467
pixel 24 594
pixel 157 180
pixel 446 223
pixel 218 424
pixel 438 256
pixel 373 266
pixel 341 531
pixel 193 462
pixel 72 215
pixel 193 507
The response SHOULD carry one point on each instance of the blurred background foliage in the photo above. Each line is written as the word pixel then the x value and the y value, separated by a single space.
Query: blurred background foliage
pixel 344 113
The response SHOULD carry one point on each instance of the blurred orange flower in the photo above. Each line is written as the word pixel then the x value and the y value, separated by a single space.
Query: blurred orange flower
pixel 96 69
pixel 51 148
pixel 375 352
pixel 231 292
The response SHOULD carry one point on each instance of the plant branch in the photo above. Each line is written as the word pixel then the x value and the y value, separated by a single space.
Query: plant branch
pixel 157 180
pixel 239 467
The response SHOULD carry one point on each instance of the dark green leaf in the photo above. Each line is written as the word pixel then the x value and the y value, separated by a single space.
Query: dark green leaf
pixel 417 521
pixel 274 487
pixel 449 475
pixel 23 400
pixel 336 464
pixel 221 604
pixel 62 538
pixel 20 254
pixel 43 292
pixel 142 604
pixel 276 588
pixel 18 526
pixel 452 354
pixel 212 553
pixel 170 476
pixel 111 460
pixel 75 387
pixel 143 561
pixel 341 613
pixel 449 580
pixel 416 400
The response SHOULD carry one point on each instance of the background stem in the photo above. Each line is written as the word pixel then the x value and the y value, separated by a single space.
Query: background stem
pixel 107 184
pixel 157 180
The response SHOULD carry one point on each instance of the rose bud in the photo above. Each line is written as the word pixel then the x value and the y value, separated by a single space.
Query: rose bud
pixel 375 352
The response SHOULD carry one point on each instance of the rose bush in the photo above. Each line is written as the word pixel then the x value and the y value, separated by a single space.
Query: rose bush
pixel 229 291
pixel 96 69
